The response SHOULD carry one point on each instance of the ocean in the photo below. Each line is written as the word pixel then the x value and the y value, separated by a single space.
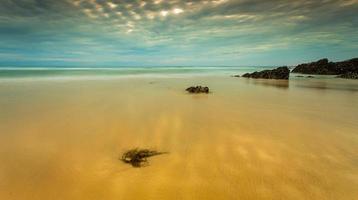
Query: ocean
pixel 31 73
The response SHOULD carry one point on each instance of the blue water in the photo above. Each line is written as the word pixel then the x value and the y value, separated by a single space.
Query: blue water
pixel 57 72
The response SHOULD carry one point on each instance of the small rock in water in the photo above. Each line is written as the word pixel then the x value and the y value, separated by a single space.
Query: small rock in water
pixel 310 76
pixel 137 157
pixel 197 89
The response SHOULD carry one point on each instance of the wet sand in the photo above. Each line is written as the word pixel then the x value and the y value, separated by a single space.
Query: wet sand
pixel 248 139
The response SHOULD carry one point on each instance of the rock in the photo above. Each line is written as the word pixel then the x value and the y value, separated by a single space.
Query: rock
pixel 324 67
pixel 300 76
pixel 349 75
pixel 278 73
pixel 137 157
pixel 197 89
pixel 238 76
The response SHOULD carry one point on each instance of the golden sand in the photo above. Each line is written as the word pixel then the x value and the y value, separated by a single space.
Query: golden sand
pixel 248 139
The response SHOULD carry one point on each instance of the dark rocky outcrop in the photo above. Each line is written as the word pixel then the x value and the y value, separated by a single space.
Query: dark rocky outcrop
pixel 138 157
pixel 324 67
pixel 278 73
pixel 197 89
pixel 349 75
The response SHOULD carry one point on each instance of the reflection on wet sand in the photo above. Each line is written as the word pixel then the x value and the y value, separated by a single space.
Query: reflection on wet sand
pixel 347 85
pixel 63 141
pixel 283 84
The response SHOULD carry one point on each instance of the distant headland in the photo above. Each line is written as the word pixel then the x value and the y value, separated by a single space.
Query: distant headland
pixel 345 69
pixel 324 67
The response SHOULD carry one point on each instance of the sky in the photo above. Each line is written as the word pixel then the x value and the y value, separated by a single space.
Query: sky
pixel 176 33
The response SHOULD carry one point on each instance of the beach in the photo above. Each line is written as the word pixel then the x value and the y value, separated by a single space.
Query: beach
pixel 61 136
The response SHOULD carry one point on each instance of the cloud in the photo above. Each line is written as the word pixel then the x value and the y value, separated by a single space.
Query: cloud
pixel 189 31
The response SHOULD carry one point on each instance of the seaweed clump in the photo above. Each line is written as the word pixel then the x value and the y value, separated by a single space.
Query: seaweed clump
pixel 138 157
pixel 197 89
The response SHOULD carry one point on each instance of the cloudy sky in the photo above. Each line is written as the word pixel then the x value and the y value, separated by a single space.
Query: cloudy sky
pixel 173 32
